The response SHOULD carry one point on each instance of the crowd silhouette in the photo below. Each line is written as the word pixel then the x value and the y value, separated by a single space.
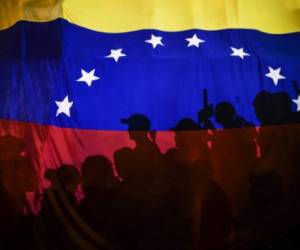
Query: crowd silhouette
pixel 232 188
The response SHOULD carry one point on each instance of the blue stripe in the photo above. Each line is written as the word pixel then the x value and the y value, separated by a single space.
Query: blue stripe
pixel 40 63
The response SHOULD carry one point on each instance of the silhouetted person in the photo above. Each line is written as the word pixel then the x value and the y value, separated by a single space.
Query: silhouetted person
pixel 191 141
pixel 17 177
pixel 16 173
pixel 149 171
pixel 274 108
pixel 57 199
pixel 278 143
pixel 234 153
pixel 99 204
pixel 139 131
pixel 226 115
pixel 280 151
pixel 263 107
pixel 147 158
pixel 191 145
pixel 232 156
pixel 211 211
pixel 65 179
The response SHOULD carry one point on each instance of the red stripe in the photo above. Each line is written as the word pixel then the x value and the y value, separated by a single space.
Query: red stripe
pixel 51 146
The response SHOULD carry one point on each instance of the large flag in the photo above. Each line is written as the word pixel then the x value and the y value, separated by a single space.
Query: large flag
pixel 76 75
pixel 71 70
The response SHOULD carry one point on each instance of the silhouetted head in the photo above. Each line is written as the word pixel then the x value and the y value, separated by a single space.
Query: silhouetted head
pixel 263 107
pixel 186 124
pixel 97 172
pixel 66 176
pixel 187 133
pixel 138 126
pixel 124 163
pixel 69 177
pixel 225 114
pixel 137 122
pixel 273 108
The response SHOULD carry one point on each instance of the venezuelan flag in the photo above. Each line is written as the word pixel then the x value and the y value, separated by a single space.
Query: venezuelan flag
pixel 74 72
pixel 71 70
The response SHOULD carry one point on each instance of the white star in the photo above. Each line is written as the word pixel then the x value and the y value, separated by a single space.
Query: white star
pixel 194 41
pixel 64 106
pixel 275 75
pixel 239 52
pixel 88 77
pixel 116 54
pixel 297 101
pixel 155 40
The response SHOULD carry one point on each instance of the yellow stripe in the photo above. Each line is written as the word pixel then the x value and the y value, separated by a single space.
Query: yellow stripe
pixel 272 16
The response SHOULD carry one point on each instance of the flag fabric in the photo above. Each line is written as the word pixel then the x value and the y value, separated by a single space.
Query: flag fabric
pixel 91 79
pixel 74 73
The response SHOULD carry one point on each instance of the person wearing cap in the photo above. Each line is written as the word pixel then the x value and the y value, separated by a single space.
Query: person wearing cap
pixel 146 156
pixel 145 183
pixel 139 131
